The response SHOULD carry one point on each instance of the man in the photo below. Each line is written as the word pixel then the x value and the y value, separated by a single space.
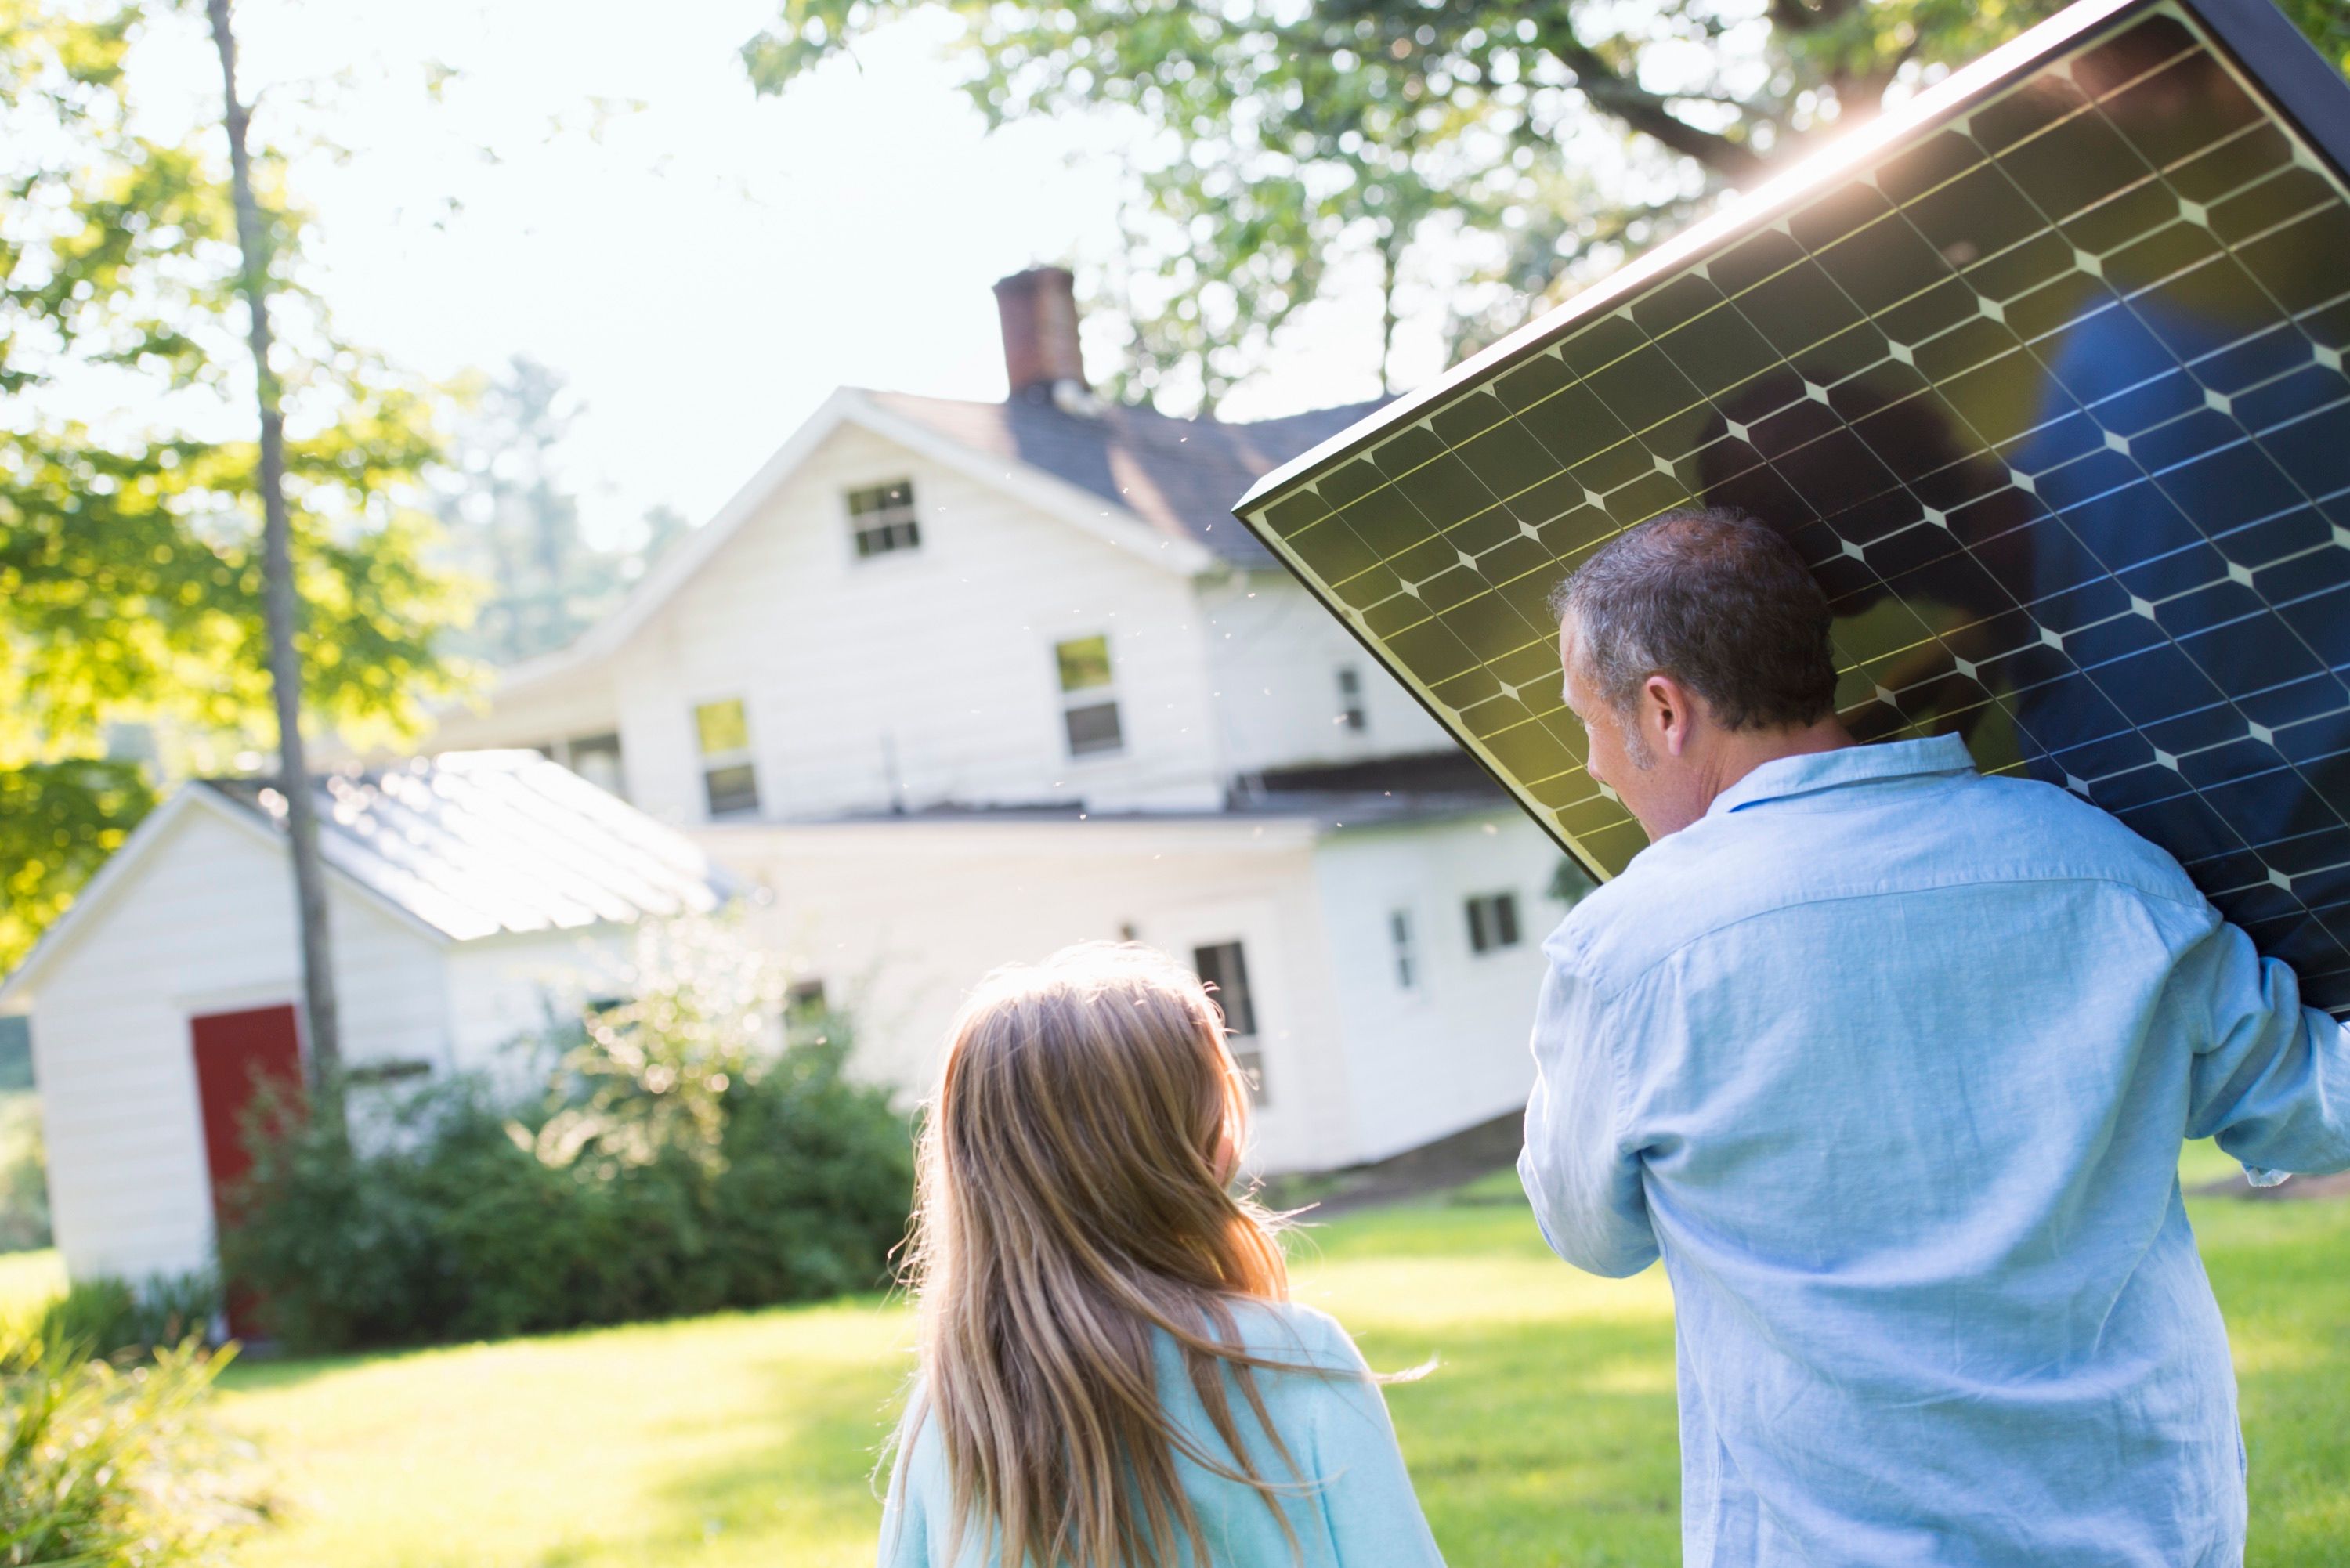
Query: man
pixel 1891 1063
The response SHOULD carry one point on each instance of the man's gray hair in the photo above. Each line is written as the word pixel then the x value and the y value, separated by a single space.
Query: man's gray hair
pixel 1714 599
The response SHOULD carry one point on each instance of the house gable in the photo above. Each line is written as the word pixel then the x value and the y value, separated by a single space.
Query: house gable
pixel 923 675
pixel 851 408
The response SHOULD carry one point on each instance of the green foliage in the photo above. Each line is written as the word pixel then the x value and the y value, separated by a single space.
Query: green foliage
pixel 130 548
pixel 676 1161
pixel 104 1466
pixel 1501 151
pixel 513 525
pixel 24 1174
pixel 58 823
pixel 113 1318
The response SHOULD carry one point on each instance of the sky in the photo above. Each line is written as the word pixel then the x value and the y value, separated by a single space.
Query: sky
pixel 594 185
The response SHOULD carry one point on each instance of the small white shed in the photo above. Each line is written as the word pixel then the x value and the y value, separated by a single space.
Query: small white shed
pixel 469 893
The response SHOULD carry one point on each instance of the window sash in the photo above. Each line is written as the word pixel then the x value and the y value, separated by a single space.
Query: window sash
pixel 731 787
pixel 1093 728
pixel 721 729
pixel 1224 967
pixel 882 519
pixel 1493 922
pixel 1352 714
pixel 1083 663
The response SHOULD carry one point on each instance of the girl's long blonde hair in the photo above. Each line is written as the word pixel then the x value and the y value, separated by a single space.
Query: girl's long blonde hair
pixel 1073 1197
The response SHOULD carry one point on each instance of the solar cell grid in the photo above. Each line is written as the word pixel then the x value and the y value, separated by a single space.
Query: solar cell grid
pixel 2049 394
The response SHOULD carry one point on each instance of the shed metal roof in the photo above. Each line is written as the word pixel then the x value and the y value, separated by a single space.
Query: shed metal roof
pixel 475 844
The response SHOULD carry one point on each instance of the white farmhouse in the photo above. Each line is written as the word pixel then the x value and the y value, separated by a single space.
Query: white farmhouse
pixel 473 898
pixel 961 682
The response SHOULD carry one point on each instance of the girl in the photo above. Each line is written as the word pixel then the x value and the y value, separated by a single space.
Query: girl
pixel 1112 1374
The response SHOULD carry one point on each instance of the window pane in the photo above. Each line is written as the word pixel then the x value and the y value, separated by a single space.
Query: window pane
pixel 1505 920
pixel 1351 712
pixel 1478 940
pixel 882 498
pixel 1094 728
pixel 596 759
pixel 1252 1066
pixel 731 789
pixel 721 727
pixel 1085 662
pixel 1224 969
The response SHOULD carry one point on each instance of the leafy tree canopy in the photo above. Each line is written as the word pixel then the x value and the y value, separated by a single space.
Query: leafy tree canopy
pixel 129 568
pixel 1508 149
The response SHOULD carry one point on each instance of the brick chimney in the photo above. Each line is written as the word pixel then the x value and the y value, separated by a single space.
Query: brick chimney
pixel 1039 310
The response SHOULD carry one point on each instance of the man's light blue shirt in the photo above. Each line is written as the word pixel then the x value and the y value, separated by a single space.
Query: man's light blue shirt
pixel 1891 1063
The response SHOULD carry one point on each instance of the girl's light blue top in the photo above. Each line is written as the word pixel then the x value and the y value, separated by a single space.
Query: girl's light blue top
pixel 1359 1510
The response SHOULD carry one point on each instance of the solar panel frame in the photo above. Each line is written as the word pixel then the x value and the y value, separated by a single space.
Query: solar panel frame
pixel 1650 346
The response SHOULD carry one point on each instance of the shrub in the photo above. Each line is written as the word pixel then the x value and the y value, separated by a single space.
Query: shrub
pixel 111 1317
pixel 108 1466
pixel 675 1161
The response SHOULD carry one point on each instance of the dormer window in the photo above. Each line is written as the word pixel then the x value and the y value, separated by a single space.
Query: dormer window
pixel 881 519
pixel 1088 697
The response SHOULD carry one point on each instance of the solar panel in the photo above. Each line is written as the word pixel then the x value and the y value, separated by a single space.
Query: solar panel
pixel 2044 376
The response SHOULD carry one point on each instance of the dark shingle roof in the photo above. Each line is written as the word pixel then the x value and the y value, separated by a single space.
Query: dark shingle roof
pixel 1181 476
pixel 475 843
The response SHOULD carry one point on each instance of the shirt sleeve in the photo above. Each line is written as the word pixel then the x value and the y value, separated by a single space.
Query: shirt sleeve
pixel 905 1527
pixel 1578 1172
pixel 2270 1077
pixel 1365 1494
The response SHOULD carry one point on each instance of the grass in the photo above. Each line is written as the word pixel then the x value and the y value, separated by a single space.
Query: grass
pixel 29 1280
pixel 1544 1438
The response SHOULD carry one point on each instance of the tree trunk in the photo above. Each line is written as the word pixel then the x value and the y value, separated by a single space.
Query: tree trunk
pixel 279 610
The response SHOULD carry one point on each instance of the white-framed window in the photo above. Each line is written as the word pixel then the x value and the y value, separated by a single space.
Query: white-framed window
pixel 596 759
pixel 1493 922
pixel 730 780
pixel 1089 719
pixel 1222 968
pixel 806 1010
pixel 1403 948
pixel 1352 715
pixel 882 520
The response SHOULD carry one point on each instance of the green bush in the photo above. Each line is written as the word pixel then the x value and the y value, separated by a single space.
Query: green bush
pixel 112 1465
pixel 111 1317
pixel 675 1162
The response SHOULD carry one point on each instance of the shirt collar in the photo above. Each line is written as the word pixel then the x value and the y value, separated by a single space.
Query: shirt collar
pixel 1784 776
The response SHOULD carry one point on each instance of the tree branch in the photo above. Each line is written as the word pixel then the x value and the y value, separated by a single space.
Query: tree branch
pixel 1614 93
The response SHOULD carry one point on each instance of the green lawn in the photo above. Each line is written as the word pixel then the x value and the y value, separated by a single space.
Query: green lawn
pixel 28 1279
pixel 1546 1437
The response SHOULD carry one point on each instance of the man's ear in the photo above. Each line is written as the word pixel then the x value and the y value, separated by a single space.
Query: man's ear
pixel 1671 709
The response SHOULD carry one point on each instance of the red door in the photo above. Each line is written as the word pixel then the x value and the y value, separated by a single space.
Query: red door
pixel 235 1052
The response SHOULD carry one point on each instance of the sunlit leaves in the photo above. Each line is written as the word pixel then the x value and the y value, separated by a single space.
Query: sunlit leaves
pixel 1304 134
pixel 129 579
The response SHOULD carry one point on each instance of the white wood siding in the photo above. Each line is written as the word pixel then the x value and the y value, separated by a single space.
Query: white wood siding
pixel 1274 656
pixel 509 989
pixel 206 926
pixel 922 675
pixel 900 920
pixel 1452 1051
pixel 578 702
